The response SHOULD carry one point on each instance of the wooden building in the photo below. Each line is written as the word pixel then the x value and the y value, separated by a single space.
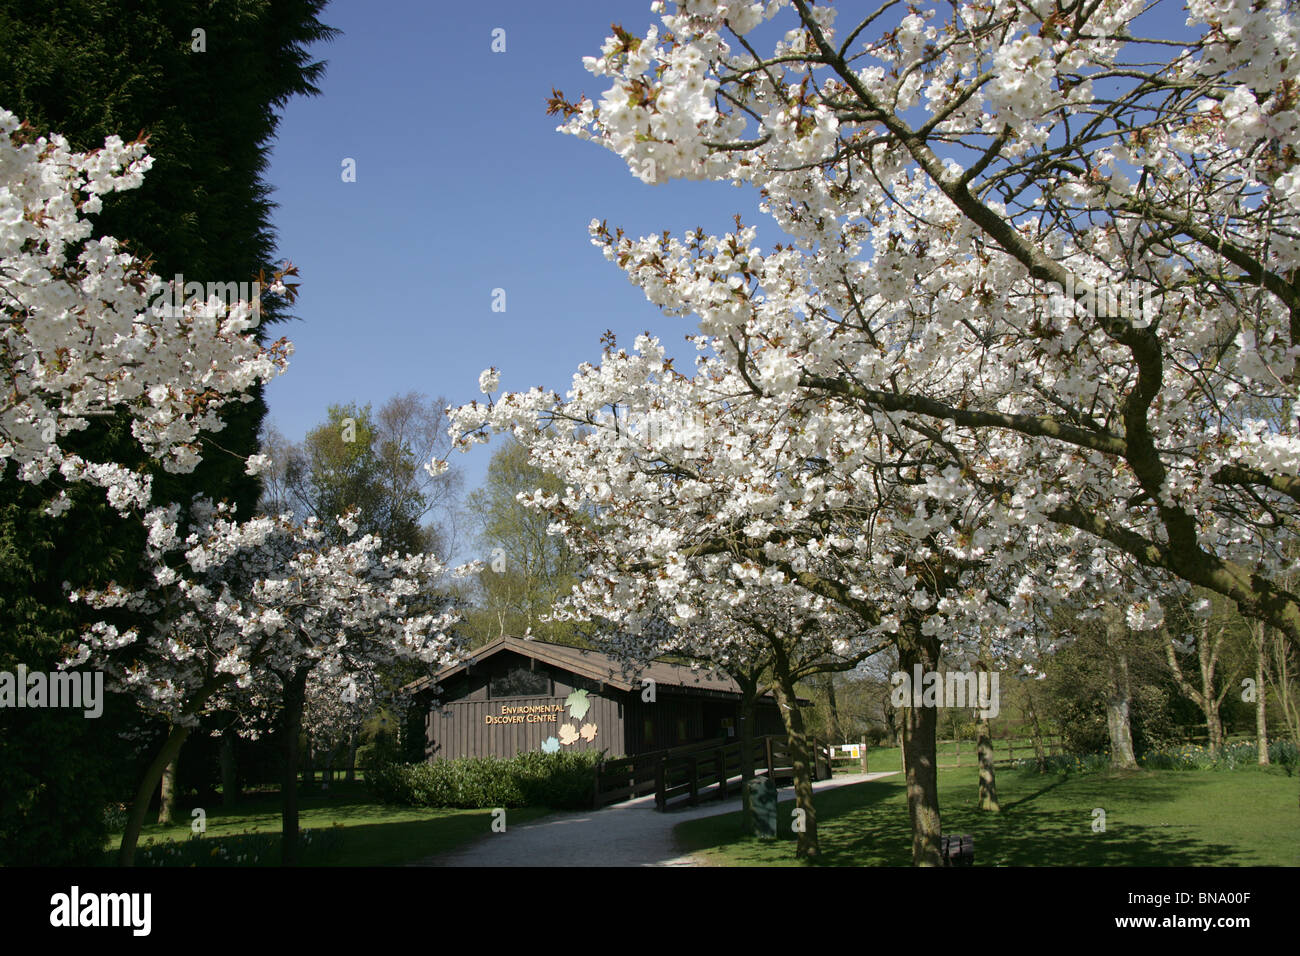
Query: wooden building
pixel 516 695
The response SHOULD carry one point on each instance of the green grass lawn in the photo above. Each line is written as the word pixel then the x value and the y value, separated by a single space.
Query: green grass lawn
pixel 949 753
pixel 1244 817
pixel 348 828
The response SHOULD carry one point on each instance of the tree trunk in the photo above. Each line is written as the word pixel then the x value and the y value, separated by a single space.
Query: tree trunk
pixel 920 727
pixel 135 823
pixel 1214 724
pixel 171 747
pixel 1209 659
pixel 167 792
pixel 1261 695
pixel 229 768
pixel 984 743
pixel 295 692
pixel 836 732
pixel 1121 734
pixel 988 781
pixel 1036 733
pixel 1204 697
pixel 748 708
pixel 308 772
pixel 352 758
pixel 1119 696
pixel 787 700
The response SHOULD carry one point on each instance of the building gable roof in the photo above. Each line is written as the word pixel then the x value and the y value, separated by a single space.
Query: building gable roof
pixel 594 665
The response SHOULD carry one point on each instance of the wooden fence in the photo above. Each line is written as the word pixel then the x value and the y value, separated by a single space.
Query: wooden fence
pixel 691 774
pixel 963 753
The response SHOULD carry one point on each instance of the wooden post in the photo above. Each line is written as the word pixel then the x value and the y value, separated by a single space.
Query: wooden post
pixel 771 766
pixel 695 780
pixel 661 798
pixel 722 773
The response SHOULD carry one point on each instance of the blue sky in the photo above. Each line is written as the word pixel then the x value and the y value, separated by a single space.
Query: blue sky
pixel 462 186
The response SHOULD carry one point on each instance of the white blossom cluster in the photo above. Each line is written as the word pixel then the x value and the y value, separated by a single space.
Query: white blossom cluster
pixel 79 337
pixel 229 602
pixel 749 514
pixel 1032 307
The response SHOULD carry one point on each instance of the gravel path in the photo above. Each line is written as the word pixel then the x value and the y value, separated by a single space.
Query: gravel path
pixel 626 834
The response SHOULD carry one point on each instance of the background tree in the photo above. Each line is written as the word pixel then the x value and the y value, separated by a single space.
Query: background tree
pixel 1200 633
pixel 527 571
pixel 371 463
pixel 1284 681
pixel 1087 692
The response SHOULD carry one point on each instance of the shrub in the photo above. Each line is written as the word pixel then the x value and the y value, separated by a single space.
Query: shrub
pixel 247 849
pixel 1196 757
pixel 563 781
pixel 559 781
pixel 1284 753
pixel 1067 763
pixel 1174 757
pixel 1179 757
pixel 389 782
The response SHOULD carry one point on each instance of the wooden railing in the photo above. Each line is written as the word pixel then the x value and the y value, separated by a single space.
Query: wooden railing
pixel 1053 744
pixel 951 754
pixel 709 770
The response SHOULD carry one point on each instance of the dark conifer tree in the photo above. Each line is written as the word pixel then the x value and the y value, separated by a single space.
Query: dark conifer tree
pixel 209 103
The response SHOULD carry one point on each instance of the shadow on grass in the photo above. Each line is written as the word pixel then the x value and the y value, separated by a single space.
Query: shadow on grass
pixel 340 829
pixel 1168 819
pixel 1030 797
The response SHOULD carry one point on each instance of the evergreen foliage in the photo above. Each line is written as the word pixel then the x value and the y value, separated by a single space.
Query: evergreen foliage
pixel 89 69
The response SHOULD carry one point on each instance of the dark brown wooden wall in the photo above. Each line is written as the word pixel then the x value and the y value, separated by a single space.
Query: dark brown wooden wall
pixel 458 728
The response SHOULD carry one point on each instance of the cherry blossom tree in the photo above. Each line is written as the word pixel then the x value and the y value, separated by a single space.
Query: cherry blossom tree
pixel 1058 238
pixel 739 522
pixel 87 330
pixel 231 604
